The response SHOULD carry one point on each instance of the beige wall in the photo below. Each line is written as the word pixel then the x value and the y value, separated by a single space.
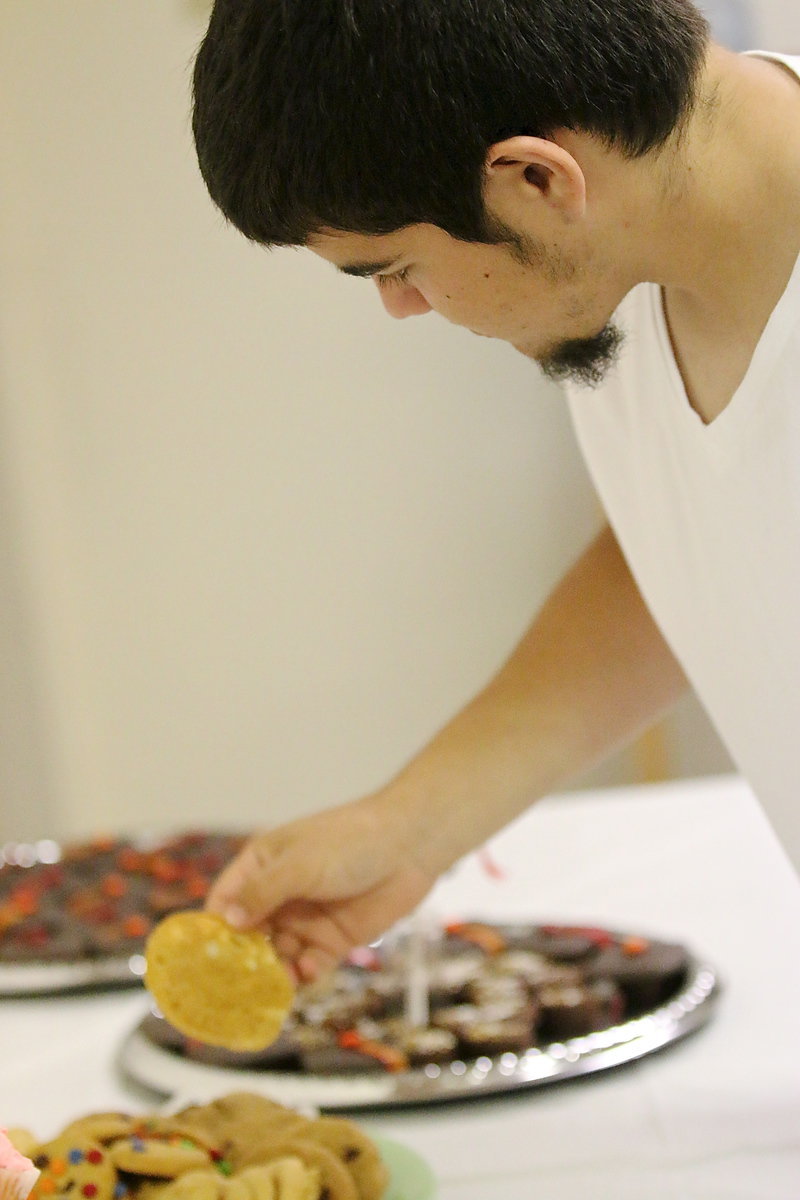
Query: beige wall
pixel 777 24
pixel 258 540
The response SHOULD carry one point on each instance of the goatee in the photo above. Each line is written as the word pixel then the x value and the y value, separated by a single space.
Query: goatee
pixel 584 360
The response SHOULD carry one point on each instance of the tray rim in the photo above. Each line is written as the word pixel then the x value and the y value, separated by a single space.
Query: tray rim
pixel 53 978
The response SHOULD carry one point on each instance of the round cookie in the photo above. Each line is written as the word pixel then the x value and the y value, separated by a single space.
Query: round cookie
pixel 355 1150
pixel 101 1127
pixel 220 985
pixel 74 1167
pixel 194 1185
pixel 154 1156
pixel 240 1123
pixel 337 1182
pixel 287 1178
pixel 174 1131
pixel 236 1189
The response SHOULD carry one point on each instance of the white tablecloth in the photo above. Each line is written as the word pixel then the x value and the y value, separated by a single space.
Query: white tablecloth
pixel 716 1117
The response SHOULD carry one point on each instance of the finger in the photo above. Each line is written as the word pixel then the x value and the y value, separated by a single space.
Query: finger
pixel 314 938
pixel 224 895
pixel 257 882
pixel 286 944
pixel 312 964
pixel 293 953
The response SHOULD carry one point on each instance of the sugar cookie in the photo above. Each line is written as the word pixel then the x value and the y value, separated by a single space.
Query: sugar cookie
pixel 172 1130
pixel 240 1123
pixel 101 1127
pixel 224 986
pixel 355 1150
pixel 282 1179
pixel 194 1185
pixel 234 1189
pixel 153 1156
pixel 337 1182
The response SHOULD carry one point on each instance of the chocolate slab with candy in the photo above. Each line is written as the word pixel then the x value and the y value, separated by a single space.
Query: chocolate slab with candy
pixel 79 914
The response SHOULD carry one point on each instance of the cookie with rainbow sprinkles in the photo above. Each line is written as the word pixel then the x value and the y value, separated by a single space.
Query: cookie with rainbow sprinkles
pixel 79 1168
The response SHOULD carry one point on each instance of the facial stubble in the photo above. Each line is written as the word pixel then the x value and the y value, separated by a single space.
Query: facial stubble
pixel 585 360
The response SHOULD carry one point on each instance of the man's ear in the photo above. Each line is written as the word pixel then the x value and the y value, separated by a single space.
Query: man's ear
pixel 522 170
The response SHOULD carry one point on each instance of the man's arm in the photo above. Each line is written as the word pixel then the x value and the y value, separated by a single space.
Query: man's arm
pixel 590 673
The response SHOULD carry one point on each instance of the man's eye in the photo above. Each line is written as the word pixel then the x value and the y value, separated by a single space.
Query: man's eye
pixel 384 281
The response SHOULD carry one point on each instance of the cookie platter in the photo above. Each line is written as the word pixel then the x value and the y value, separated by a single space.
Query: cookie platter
pixel 77 915
pixel 506 1007
pixel 236 1145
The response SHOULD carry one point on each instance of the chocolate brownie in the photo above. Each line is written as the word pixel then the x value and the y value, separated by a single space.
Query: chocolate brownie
pixel 573 1010
pixel 488 1037
pixel 647 971
pixel 425 1044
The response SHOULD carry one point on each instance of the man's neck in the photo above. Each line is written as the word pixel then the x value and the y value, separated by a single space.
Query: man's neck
pixel 725 238
pixel 728 232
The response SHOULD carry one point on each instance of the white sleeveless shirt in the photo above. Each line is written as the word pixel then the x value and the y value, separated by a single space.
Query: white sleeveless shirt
pixel 708 517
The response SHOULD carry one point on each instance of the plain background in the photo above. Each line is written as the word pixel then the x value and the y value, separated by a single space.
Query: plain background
pixel 257 541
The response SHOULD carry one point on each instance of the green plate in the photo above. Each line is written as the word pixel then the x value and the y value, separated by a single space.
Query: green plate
pixel 410 1177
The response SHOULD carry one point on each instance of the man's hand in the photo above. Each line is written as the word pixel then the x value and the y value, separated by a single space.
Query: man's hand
pixel 591 672
pixel 325 884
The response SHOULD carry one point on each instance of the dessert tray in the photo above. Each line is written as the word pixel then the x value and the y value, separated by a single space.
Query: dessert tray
pixel 428 1014
pixel 78 915
pixel 479 1009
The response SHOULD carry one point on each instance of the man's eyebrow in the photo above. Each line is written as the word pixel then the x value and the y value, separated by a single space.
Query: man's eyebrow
pixel 365 270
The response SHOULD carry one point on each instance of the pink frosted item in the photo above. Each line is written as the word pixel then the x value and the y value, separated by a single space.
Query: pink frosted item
pixel 17 1173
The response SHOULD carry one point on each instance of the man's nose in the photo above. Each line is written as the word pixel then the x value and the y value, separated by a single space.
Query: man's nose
pixel 402 300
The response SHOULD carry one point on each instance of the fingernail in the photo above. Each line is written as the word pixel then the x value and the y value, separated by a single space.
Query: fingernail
pixel 236 916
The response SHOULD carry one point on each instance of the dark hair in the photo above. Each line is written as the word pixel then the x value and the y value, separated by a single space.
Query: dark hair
pixel 369 115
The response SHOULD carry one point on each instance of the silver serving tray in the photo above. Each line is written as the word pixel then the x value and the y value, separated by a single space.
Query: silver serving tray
pixel 50 978
pixel 174 1076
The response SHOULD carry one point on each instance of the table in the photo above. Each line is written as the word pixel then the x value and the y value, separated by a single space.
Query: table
pixel 715 1117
